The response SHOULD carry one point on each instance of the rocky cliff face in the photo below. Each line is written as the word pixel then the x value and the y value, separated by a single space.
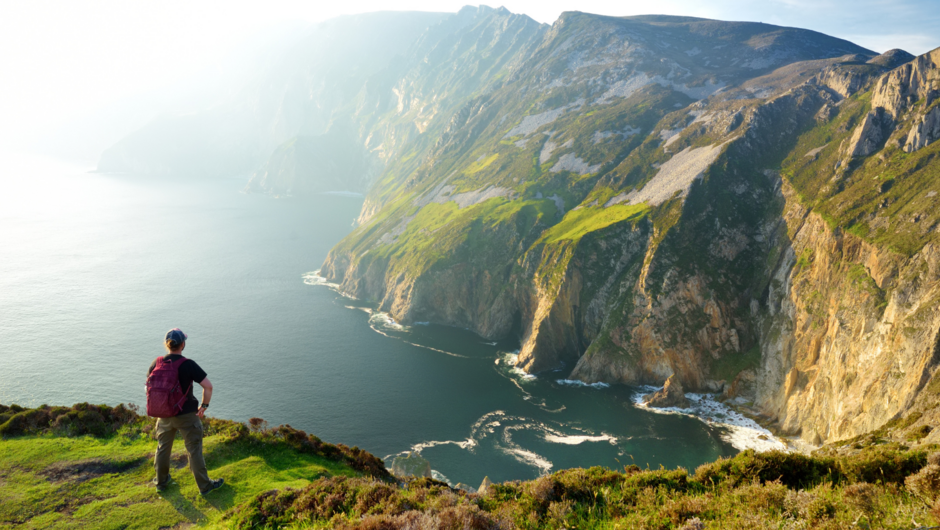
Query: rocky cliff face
pixel 851 330
pixel 731 244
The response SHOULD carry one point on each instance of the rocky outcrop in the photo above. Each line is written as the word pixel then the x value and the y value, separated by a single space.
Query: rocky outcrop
pixel 915 80
pixel 926 129
pixel 410 465
pixel 669 396
pixel 485 486
pixel 870 135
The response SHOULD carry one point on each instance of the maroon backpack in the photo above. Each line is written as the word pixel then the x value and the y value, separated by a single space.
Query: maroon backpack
pixel 165 396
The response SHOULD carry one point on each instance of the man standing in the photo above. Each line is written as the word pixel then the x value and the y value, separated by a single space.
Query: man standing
pixel 188 418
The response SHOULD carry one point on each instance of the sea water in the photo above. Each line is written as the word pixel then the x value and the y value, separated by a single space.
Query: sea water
pixel 94 269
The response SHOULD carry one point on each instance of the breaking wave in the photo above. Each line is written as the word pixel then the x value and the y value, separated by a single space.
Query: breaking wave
pixel 575 382
pixel 497 431
pixel 739 430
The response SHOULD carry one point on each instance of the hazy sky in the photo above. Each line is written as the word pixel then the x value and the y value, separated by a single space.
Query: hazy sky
pixel 63 59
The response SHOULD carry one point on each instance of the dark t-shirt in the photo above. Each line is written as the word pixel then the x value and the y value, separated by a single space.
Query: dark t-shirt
pixel 190 373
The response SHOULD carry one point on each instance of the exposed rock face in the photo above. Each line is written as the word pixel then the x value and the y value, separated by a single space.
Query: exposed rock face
pixel 926 129
pixel 851 335
pixel 898 90
pixel 669 396
pixel 870 135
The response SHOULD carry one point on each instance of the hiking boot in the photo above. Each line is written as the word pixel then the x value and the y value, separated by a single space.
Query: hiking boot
pixel 163 487
pixel 214 485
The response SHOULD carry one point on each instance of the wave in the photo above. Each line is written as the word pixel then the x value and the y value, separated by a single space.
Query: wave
pixel 579 439
pixel 510 359
pixel 575 382
pixel 495 431
pixel 739 430
pixel 380 322
pixel 314 278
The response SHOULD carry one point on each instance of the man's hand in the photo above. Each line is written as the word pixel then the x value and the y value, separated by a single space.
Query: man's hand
pixel 206 395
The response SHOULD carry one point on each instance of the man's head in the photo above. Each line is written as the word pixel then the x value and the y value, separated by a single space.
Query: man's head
pixel 175 340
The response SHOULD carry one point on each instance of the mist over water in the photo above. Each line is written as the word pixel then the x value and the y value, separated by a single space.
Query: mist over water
pixel 95 268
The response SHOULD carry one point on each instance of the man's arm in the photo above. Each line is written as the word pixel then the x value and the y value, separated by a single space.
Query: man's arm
pixel 206 395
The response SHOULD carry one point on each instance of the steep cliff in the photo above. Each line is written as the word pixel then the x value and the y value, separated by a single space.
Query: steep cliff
pixel 632 218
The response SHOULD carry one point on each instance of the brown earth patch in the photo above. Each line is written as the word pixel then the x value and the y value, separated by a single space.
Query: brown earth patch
pixel 179 460
pixel 87 469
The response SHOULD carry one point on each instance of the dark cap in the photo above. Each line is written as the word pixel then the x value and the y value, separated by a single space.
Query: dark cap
pixel 176 335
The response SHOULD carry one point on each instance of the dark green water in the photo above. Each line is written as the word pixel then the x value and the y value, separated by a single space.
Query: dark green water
pixel 94 269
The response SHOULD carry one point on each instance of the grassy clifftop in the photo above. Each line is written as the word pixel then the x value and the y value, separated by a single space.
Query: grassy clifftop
pixel 90 466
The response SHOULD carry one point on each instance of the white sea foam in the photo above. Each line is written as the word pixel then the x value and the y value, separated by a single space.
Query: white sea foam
pixel 579 439
pixel 385 320
pixel 383 324
pixel 740 431
pixel 575 382
pixel 437 475
pixel 463 444
pixel 524 455
pixel 510 359
pixel 314 278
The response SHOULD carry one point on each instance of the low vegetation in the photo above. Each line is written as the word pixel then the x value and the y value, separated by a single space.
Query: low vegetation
pixel 89 466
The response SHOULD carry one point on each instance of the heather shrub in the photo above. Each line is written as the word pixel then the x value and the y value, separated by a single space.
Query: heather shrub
pixel 80 419
pixel 925 483
pixel 769 496
pixel 861 496
pixel 794 470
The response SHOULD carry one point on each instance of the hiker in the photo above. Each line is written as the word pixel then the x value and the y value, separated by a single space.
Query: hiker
pixel 170 399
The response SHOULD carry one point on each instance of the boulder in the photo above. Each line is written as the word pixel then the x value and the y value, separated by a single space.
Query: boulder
pixel 410 465
pixel 671 395
pixel 484 486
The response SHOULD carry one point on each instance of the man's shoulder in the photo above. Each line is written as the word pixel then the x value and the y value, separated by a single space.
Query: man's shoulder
pixel 192 367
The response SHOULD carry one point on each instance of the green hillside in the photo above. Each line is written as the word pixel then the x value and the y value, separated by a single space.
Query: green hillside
pixel 90 466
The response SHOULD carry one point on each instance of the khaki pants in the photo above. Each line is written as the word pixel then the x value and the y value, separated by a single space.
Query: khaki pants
pixel 191 428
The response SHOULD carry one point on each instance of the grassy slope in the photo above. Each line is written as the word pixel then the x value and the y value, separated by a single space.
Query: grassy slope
pixel 884 198
pixel 283 478
pixel 51 480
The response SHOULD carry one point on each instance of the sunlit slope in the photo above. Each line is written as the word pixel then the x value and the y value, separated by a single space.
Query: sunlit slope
pixel 603 130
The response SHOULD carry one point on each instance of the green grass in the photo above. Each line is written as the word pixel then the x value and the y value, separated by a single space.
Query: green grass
pixel 480 165
pixel 48 480
pixel 883 198
pixel 577 223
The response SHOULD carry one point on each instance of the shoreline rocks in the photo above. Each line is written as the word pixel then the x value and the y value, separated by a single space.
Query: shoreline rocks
pixel 671 395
